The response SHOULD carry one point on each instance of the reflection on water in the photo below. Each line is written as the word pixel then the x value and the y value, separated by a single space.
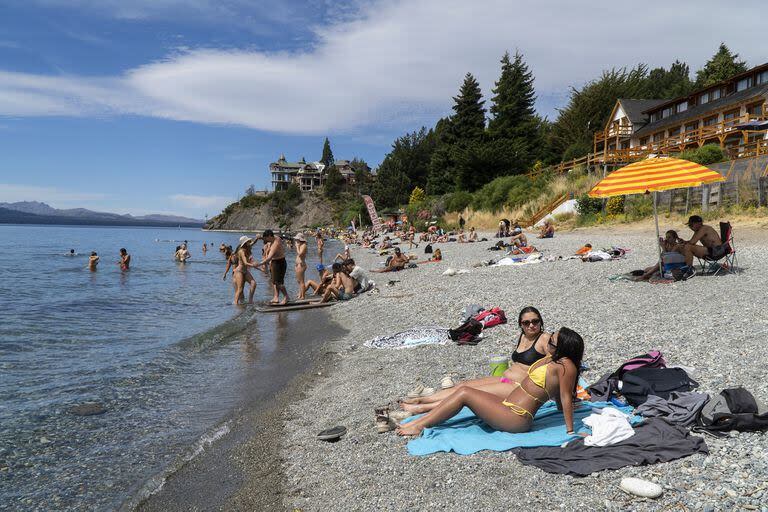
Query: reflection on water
pixel 160 348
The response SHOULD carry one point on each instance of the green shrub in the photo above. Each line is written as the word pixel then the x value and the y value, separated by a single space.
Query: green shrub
pixel 639 207
pixel 705 155
pixel 586 205
pixel 615 205
pixel 511 191
pixel 457 201
pixel 417 196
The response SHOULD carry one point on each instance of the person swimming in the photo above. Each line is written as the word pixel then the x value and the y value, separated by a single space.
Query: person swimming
pixel 93 261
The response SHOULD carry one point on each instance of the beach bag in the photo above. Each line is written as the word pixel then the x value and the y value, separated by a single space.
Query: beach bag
pixel 732 409
pixel 637 384
pixel 492 317
pixel 653 359
pixel 466 333
pixel 428 249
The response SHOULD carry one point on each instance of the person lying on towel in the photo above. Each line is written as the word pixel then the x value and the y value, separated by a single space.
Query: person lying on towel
pixel 397 262
pixel 552 377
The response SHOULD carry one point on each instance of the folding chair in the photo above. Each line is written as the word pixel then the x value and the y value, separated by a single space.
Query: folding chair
pixel 710 265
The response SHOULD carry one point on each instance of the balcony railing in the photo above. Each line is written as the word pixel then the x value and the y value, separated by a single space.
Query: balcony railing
pixel 613 132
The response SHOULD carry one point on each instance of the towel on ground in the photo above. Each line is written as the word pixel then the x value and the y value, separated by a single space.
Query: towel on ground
pixel 654 441
pixel 681 408
pixel 414 337
pixel 609 426
pixel 465 433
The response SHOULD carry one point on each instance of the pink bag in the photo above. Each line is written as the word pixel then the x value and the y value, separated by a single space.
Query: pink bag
pixel 653 359
pixel 491 317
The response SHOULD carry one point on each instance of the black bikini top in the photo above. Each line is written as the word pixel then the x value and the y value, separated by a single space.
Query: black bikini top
pixel 529 356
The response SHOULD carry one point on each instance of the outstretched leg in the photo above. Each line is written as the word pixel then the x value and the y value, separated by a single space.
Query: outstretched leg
pixel 500 389
pixel 486 406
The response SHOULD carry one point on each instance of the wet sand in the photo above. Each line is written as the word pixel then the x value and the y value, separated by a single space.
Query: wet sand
pixel 244 470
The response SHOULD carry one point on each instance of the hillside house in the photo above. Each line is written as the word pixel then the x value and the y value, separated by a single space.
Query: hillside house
pixel 308 176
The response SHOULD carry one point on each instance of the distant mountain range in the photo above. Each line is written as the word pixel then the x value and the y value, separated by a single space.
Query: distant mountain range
pixel 34 212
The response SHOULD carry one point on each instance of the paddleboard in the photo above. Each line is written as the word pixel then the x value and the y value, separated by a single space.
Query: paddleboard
pixel 297 307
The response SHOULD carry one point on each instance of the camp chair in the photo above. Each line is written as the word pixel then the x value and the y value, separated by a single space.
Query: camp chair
pixel 728 265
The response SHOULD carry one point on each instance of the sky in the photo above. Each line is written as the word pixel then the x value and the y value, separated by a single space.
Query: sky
pixel 177 106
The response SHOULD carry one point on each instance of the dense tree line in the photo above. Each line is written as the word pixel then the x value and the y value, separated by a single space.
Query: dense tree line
pixel 475 145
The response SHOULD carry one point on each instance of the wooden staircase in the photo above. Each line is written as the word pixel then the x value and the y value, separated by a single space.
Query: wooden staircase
pixel 546 210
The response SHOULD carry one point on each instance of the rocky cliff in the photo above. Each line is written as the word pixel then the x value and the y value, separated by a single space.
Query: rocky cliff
pixel 313 211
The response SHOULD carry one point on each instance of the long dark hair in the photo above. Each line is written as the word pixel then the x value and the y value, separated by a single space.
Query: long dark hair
pixel 529 309
pixel 570 345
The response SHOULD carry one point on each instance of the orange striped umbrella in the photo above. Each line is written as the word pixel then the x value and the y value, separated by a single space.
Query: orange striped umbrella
pixel 654 175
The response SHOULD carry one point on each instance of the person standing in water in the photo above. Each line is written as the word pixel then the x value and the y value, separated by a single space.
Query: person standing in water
pixel 205 248
pixel 275 257
pixel 242 260
pixel 125 260
pixel 93 260
pixel 301 263
pixel 320 245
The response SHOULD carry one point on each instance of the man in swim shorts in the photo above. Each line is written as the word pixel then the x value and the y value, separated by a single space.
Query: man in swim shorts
pixel 275 257
pixel 711 245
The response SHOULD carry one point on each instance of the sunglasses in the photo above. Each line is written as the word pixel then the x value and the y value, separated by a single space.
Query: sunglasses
pixel 534 322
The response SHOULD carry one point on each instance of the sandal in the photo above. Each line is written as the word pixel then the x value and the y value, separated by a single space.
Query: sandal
pixel 399 416
pixel 447 382
pixel 416 392
pixel 427 392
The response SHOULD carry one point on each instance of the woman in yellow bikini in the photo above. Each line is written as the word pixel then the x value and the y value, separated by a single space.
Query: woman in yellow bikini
pixel 553 377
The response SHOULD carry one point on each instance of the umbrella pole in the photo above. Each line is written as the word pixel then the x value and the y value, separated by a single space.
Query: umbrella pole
pixel 656 218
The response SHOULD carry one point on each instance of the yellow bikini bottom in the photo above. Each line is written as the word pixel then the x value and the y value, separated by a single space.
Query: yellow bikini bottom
pixel 520 411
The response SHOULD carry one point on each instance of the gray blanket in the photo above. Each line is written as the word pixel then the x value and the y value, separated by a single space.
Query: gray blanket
pixel 654 441
pixel 681 408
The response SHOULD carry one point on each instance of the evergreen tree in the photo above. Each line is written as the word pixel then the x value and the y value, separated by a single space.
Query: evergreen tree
pixel 334 183
pixel 392 187
pixel 468 121
pixel 327 158
pixel 667 84
pixel 721 66
pixel 512 111
pixel 363 177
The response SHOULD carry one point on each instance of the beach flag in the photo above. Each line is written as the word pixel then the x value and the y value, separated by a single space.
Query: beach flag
pixel 654 175
pixel 375 221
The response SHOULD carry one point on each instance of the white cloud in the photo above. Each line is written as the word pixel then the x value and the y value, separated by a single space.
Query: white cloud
pixel 395 63
pixel 200 202
pixel 13 193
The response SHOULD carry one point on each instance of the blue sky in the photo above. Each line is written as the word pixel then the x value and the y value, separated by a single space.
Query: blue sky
pixel 177 106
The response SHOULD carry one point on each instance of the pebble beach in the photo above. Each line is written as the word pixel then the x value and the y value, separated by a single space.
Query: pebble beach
pixel 716 325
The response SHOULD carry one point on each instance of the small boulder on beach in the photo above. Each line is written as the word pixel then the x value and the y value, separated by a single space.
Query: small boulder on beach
pixel 88 409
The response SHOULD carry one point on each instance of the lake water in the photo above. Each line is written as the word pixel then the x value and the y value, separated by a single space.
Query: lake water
pixel 161 347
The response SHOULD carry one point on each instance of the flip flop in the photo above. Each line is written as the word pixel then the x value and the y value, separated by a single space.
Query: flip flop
pixel 427 392
pixel 332 434
pixel 447 382
pixel 399 416
pixel 415 392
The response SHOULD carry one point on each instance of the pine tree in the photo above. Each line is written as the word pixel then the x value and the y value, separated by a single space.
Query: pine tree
pixel 721 66
pixel 334 183
pixel 512 110
pixel 468 121
pixel 327 158
pixel 672 83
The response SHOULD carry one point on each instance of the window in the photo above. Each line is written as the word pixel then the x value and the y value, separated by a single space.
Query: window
pixel 691 126
pixel 656 116
pixel 714 95
pixel 644 141
pixel 730 114
pixel 744 83
pixel 762 77
pixel 666 112
pixel 755 109
pixel 682 107
pixel 673 132
pixel 704 98
pixel 709 121
pixel 658 136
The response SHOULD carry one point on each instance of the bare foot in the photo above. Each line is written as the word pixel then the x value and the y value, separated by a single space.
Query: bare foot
pixel 414 408
pixel 410 401
pixel 285 301
pixel 409 429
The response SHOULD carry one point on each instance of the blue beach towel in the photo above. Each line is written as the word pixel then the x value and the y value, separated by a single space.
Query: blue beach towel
pixel 465 433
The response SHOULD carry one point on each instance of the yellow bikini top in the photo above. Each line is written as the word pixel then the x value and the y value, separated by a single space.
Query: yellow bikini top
pixel 538 372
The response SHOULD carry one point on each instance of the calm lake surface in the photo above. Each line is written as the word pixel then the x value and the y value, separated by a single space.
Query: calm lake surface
pixel 161 347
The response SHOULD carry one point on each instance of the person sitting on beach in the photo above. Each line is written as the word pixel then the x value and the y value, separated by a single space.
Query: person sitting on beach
pixel 93 261
pixel 275 258
pixel 518 238
pixel 462 238
pixel 531 347
pixel 501 232
pixel 472 235
pixel 385 243
pixel 711 244
pixel 342 287
pixel 358 274
pixel 436 256
pixel 318 287
pixel 547 230
pixel 395 263
pixel 553 377
pixel 669 254
pixel 344 255
pixel 125 260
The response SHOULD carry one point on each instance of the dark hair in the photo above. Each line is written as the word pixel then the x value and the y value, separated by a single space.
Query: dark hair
pixel 397 250
pixel 93 253
pixel 529 309
pixel 336 267
pixel 268 233
pixel 570 345
pixel 349 261
pixel 178 248
pixel 227 251
pixel 123 251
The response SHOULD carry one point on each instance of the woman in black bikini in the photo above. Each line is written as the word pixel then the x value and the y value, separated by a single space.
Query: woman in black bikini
pixel 531 346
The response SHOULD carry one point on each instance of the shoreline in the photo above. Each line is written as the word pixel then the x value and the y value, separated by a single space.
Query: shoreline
pixel 242 470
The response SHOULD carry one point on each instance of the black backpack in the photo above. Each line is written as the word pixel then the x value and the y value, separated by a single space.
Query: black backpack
pixel 638 384
pixel 732 409
pixel 428 249
pixel 467 333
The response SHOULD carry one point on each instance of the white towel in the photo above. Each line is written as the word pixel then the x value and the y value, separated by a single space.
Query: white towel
pixel 609 426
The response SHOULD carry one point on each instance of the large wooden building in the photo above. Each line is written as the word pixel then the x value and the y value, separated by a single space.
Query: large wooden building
pixel 732 113
pixel 308 176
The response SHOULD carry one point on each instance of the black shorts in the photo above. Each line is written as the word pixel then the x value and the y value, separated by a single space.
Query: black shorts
pixel 717 252
pixel 277 269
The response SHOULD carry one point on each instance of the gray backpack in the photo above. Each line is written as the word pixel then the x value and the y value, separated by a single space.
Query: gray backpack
pixel 733 409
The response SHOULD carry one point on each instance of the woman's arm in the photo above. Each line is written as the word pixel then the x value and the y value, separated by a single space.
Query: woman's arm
pixel 567 386
pixel 226 270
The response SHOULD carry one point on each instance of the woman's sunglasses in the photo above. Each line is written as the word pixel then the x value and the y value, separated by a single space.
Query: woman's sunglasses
pixel 534 322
